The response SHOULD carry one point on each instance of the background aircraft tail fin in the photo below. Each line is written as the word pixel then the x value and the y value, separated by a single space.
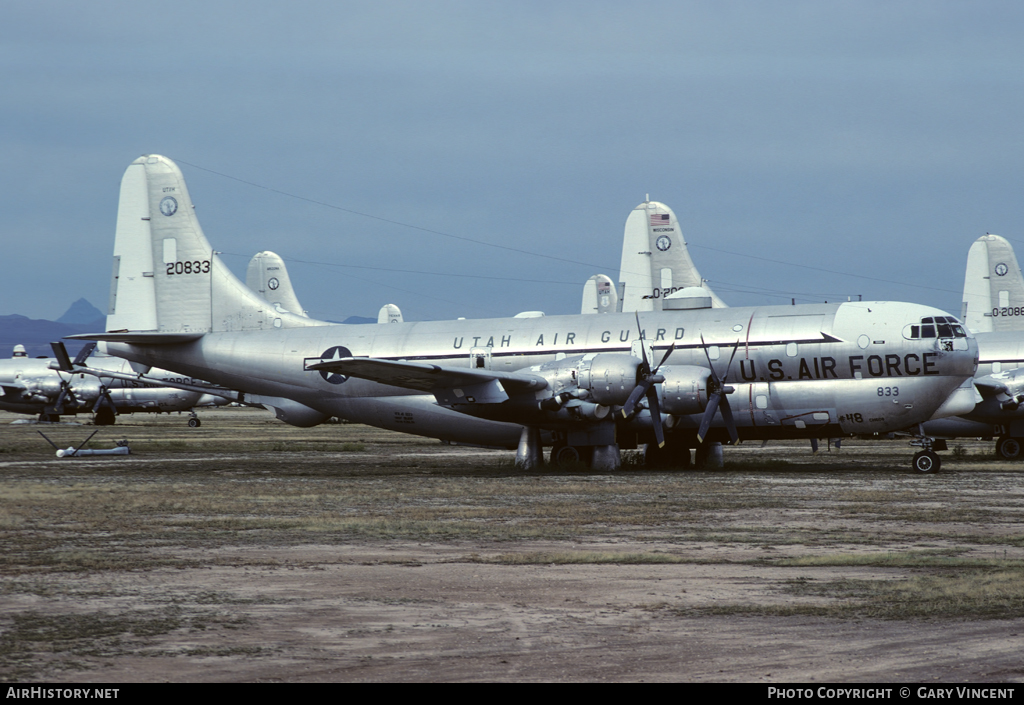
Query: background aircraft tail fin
pixel 166 275
pixel 390 313
pixel 268 277
pixel 655 261
pixel 599 295
pixel 993 287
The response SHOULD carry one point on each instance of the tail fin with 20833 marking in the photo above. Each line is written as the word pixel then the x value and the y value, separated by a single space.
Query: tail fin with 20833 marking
pixel 167 284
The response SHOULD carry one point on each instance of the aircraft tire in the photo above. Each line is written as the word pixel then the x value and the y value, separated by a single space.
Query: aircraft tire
pixel 927 462
pixel 194 423
pixel 567 455
pixel 1008 448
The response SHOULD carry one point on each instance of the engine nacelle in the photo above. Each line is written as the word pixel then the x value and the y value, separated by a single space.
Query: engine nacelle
pixel 43 386
pixel 685 389
pixel 609 378
pixel 87 389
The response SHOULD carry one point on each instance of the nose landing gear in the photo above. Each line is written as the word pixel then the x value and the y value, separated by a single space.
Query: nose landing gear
pixel 926 461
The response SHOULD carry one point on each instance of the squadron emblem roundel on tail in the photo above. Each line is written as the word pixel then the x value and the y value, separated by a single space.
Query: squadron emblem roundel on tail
pixel 169 205
pixel 335 353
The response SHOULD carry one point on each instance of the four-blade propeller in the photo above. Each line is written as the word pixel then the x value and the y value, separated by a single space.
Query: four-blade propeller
pixel 645 387
pixel 717 391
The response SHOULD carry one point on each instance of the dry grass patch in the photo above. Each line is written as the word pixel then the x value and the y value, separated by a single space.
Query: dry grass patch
pixel 577 558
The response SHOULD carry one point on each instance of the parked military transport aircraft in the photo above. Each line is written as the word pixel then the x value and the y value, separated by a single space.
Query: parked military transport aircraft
pixel 993 309
pixel 36 386
pixel 586 383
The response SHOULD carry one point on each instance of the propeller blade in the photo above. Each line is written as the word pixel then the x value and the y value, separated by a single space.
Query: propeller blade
pixel 730 423
pixel 61 355
pixel 665 356
pixel 704 346
pixel 103 399
pixel 59 406
pixel 643 348
pixel 655 408
pixel 84 353
pixel 638 391
pixel 729 366
pixel 709 415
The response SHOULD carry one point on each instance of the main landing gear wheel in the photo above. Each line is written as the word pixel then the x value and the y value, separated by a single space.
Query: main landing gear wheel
pixel 927 462
pixel 566 455
pixel 1008 448
pixel 194 423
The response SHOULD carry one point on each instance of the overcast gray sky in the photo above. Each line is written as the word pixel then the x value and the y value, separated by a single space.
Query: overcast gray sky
pixel 874 140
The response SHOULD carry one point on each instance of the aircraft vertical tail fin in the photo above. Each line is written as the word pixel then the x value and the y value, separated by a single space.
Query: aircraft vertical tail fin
pixel 268 277
pixel 599 295
pixel 993 287
pixel 655 261
pixel 390 313
pixel 166 275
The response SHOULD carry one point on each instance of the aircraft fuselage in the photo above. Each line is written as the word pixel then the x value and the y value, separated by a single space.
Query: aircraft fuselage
pixel 799 371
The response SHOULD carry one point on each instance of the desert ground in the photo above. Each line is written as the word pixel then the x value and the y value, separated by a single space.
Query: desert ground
pixel 247 550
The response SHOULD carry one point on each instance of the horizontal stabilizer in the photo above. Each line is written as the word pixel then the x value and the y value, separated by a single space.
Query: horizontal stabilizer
pixel 424 377
pixel 139 338
pixel 990 387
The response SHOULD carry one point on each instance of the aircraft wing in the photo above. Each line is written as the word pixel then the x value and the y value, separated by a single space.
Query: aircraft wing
pixel 448 384
pixel 15 390
pixel 143 338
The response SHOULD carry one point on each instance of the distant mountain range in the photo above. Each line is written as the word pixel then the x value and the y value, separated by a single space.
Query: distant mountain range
pixel 36 334
pixel 82 317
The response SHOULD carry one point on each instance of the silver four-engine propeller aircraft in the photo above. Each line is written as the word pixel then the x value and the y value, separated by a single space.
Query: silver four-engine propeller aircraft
pixel 583 382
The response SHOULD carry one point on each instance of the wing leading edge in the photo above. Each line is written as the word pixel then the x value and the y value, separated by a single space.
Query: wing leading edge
pixel 449 385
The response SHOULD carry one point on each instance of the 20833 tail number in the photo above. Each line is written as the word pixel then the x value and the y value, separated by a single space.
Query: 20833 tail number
pixel 188 267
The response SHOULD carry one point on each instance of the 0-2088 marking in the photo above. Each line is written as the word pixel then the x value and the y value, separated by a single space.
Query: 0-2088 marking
pixel 188 267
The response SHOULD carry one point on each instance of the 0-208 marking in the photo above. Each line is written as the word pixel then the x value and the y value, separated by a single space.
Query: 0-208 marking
pixel 189 267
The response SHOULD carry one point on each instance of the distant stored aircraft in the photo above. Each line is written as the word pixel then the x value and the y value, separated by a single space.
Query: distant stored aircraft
pixel 587 383
pixel 268 277
pixel 35 386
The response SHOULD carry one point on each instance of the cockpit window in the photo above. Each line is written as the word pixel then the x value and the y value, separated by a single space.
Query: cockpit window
pixel 935 327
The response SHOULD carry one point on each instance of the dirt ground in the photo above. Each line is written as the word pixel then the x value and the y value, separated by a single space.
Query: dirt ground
pixel 247 550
